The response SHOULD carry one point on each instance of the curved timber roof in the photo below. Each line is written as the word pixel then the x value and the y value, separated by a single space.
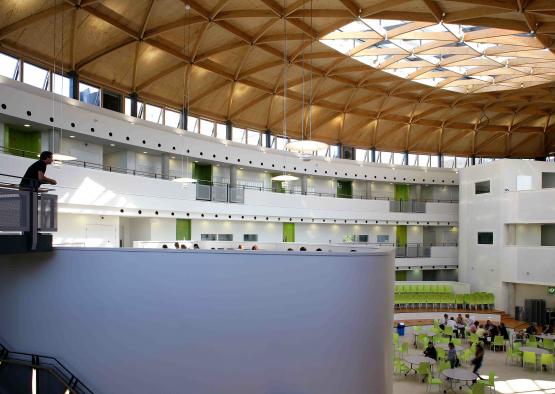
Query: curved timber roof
pixel 460 77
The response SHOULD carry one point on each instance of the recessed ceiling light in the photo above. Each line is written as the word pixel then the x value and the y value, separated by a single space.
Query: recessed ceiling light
pixel 145 153
pixel 196 161
pixel 27 125
pixel 71 136
pixel 173 157
pixel 112 144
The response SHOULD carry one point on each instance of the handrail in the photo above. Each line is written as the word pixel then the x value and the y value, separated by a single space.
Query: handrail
pixel 155 175
pixel 52 365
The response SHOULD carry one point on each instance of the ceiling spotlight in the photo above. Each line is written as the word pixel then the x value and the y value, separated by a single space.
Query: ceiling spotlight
pixel 71 136
pixel 27 125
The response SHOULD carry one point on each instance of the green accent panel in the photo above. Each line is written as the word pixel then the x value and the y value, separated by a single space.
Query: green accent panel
pixel 277 186
pixel 400 275
pixel 21 140
pixel 401 234
pixel 183 229
pixel 402 192
pixel 202 173
pixel 288 232
pixel 345 189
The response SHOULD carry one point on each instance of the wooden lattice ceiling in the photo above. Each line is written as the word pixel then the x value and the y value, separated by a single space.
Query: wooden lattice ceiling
pixel 231 55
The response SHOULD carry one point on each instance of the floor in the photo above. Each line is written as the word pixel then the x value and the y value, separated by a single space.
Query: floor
pixel 510 379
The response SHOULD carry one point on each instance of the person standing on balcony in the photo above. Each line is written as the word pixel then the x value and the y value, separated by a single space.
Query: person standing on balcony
pixel 34 176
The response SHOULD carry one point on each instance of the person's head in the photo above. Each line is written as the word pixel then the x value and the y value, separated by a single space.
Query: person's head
pixel 467 316
pixel 240 247
pixel 502 325
pixel 459 315
pixel 476 323
pixel 254 247
pixel 46 156
pixel 195 246
pixel 164 246
pixel 430 344
pixel 176 245
pixel 452 318
pixel 451 346
pixel 302 249
pixel 183 246
pixel 289 249
pixel 445 316
pixel 319 250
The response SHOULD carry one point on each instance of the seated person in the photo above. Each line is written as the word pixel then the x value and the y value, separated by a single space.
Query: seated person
pixel 176 245
pixel 548 329
pixel 254 247
pixel 302 249
pixel 183 246
pixel 460 325
pixel 539 329
pixel 431 351
pixel 451 323
pixel 493 331
pixel 195 246
pixel 503 331
pixel 531 330
pixel 443 321
pixel 481 332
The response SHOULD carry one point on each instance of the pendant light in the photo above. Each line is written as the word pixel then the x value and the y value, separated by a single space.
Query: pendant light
pixel 58 157
pixel 306 147
pixel 184 178
pixel 285 177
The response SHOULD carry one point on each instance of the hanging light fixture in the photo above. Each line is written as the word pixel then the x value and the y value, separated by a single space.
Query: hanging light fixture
pixel 58 157
pixel 285 177
pixel 306 147
pixel 184 178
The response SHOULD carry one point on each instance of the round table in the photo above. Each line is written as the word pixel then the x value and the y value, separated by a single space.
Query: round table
pixel 536 350
pixel 417 360
pixel 460 374
pixel 445 346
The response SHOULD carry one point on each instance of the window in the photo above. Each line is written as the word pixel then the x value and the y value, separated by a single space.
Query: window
pixel 361 238
pixel 250 237
pixel 238 135
pixel 221 131
pixel 154 114
pixel 9 66
pixel 253 137
pixel 548 180
pixel 111 101
pixel 334 151
pixel 192 124
pixel 386 157
pixel 172 118
pixel 61 85
pixel 361 155
pixel 383 238
pixel 206 127
pixel 413 159
pixel 434 161
pixel 127 106
pixel 485 238
pixel 225 237
pixel 280 143
pixel 89 94
pixel 208 237
pixel 398 158
pixel 481 187
pixel 35 76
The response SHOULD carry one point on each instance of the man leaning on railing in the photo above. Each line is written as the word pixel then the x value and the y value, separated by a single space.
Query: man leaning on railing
pixel 34 176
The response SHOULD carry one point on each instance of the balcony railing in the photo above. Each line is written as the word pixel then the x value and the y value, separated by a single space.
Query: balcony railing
pixel 236 193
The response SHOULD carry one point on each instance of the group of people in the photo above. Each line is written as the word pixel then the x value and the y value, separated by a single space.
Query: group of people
pixel 462 324
pixel 453 358
pixel 180 246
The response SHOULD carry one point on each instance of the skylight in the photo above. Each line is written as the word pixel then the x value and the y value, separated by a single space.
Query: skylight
pixel 459 58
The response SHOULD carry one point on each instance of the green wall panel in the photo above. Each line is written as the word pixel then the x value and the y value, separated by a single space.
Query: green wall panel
pixel 402 192
pixel 288 232
pixel 21 140
pixel 345 189
pixel 401 234
pixel 400 275
pixel 202 173
pixel 183 229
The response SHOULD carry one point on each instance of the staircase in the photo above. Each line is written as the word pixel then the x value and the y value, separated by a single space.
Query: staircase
pixel 510 322
pixel 25 373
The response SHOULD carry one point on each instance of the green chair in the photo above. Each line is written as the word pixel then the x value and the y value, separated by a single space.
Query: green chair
pixel 513 355
pixel 476 389
pixel 489 382
pixel 434 382
pixel 423 340
pixel 441 353
pixel 467 356
pixel 547 361
pixel 456 341
pixel 423 370
pixel 529 358
pixel 498 341
pixel 395 338
pixel 443 340
pixel 443 365
pixel 403 349
pixel 531 344
pixel 548 344
pixel 448 331
pixel 399 367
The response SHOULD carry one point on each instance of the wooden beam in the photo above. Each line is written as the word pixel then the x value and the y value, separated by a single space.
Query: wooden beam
pixel 248 105
pixel 226 47
pixel 381 6
pixel 146 18
pixel 352 7
pixel 117 23
pixel 173 25
pixel 434 8
pixel 160 75
pixel 103 52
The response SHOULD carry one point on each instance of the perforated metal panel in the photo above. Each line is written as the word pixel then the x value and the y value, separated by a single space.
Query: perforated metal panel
pixel 14 210
pixel 203 192
pixel 48 212
pixel 237 195
pixel 219 193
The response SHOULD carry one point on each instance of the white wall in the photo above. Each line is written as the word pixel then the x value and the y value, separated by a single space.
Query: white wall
pixel 87 230
pixel 523 292
pixel 84 151
pixel 222 322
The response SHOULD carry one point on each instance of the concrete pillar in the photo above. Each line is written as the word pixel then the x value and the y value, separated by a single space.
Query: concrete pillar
pixel 233 176
pixel 165 166
pixel 184 121
pixel 373 155
pixel 406 158
pixel 73 84
pixel 228 130
pixel 440 160
pixel 473 160
pixel 50 141
pixel 267 139
pixel 304 184
pixel 418 191
pixel 134 103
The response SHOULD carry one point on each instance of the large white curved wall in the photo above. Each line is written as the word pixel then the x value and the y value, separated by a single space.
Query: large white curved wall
pixel 204 322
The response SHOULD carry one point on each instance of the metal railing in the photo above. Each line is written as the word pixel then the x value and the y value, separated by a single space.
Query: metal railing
pixel 155 175
pixel 407 206
pixel 55 369
pixel 26 210
pixel 416 250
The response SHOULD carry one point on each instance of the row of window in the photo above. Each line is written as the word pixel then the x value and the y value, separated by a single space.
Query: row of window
pixel 53 81
pixel 228 237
